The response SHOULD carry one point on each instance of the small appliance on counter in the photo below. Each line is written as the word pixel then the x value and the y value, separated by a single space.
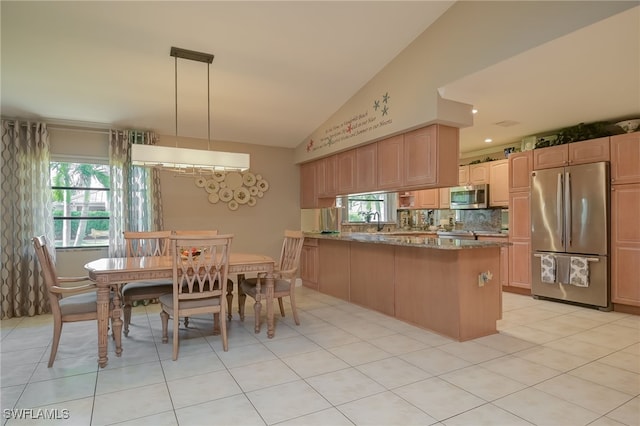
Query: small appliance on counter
pixel 330 220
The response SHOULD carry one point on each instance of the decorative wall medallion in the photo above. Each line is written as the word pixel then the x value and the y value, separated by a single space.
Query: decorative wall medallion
pixel 234 188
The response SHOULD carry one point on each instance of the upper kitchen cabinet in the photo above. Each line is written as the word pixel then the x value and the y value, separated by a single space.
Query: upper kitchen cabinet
pixel 520 167
pixel 445 198
pixel 591 151
pixel 390 162
pixel 366 168
pixel 499 183
pixel 346 164
pixel 473 174
pixel 326 177
pixel 427 199
pixel 308 195
pixel 430 157
pixel 625 158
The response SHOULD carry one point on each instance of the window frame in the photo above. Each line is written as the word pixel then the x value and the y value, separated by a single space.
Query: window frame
pixel 80 160
pixel 390 204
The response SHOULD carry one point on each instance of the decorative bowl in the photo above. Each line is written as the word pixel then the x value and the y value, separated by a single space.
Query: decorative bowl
pixel 629 126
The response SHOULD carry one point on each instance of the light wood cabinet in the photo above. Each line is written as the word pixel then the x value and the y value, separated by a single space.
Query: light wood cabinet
pixel 333 268
pixel 520 168
pixel 553 156
pixel 499 183
pixel 308 195
pixel 428 154
pixel 625 244
pixel 591 151
pixel 366 168
pixel 427 199
pixel 520 264
pixel 625 158
pixel 520 239
pixel 346 165
pixel 390 162
pixel 326 177
pixel 504 257
pixel 309 263
pixel 445 198
pixel 474 174
pixel 372 277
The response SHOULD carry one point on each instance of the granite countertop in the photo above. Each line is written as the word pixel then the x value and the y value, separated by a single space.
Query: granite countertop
pixel 406 240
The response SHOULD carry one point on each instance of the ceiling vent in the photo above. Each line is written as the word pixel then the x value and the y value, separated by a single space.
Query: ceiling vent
pixel 506 123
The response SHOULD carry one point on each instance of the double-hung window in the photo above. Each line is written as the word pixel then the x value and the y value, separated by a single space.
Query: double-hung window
pixel 80 192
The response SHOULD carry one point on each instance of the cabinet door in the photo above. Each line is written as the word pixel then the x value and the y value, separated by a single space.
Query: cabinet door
pixel 309 265
pixel 548 158
pixel 625 158
pixel 372 277
pixel 390 162
pixel 479 173
pixel 420 156
pixel 520 167
pixel 333 268
pixel 445 198
pixel 504 258
pixel 463 175
pixel 625 244
pixel 427 199
pixel 591 151
pixel 499 183
pixel 366 168
pixel 519 215
pixel 308 196
pixel 346 163
pixel 326 179
pixel 520 264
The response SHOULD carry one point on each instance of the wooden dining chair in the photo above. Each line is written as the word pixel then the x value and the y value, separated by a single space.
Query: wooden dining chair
pixel 199 283
pixel 68 303
pixel 284 277
pixel 139 244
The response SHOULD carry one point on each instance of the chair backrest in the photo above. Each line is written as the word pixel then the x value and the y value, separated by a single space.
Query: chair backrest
pixel 200 274
pixel 290 253
pixel 206 233
pixel 147 243
pixel 49 272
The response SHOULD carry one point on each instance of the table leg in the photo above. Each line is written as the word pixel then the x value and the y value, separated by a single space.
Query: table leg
pixel 257 307
pixel 116 320
pixel 103 324
pixel 270 326
pixel 230 296
pixel 241 297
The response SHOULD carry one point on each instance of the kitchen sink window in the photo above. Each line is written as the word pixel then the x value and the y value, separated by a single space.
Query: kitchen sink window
pixel 373 207
pixel 80 194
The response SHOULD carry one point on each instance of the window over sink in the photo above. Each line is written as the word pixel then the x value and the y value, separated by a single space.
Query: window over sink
pixel 363 208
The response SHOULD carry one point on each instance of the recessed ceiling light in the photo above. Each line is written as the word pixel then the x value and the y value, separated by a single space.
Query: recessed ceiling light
pixel 474 111
pixel 488 140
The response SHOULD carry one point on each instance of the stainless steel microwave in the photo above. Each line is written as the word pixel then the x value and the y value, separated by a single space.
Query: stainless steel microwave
pixel 470 197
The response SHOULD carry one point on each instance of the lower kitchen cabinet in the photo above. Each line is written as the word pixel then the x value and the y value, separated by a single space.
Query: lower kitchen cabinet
pixel 520 264
pixel 309 263
pixel 333 268
pixel 504 258
pixel 372 277
pixel 625 244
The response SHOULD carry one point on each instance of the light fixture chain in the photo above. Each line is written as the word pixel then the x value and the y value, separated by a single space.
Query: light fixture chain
pixel 176 94
pixel 208 109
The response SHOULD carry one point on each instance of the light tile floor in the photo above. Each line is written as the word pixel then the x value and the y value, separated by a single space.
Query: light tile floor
pixel 551 364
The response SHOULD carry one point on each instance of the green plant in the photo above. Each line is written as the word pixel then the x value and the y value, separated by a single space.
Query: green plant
pixel 577 133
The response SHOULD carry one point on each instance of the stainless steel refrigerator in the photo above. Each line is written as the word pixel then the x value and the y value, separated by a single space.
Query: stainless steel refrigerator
pixel 569 226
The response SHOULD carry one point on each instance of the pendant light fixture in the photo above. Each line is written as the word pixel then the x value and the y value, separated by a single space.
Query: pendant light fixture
pixel 183 159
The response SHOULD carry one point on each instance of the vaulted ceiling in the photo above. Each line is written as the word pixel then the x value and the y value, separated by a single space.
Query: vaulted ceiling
pixel 108 63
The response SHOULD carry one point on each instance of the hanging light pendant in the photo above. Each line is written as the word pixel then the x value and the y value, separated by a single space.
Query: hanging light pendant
pixel 183 159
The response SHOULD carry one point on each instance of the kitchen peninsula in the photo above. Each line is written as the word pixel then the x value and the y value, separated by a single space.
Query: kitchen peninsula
pixel 449 286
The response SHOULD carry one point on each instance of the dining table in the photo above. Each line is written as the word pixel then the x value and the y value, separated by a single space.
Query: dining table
pixel 111 273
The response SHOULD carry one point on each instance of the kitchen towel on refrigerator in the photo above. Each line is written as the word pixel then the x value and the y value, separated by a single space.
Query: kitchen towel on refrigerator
pixel 579 275
pixel 548 268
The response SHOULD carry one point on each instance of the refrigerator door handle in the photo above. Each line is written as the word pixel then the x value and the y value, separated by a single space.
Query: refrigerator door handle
pixel 567 208
pixel 560 208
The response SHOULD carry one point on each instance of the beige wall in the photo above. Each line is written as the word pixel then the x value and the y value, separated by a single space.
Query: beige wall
pixel 257 229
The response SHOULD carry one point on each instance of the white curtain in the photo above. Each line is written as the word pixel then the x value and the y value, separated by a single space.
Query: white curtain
pixel 25 200
pixel 136 204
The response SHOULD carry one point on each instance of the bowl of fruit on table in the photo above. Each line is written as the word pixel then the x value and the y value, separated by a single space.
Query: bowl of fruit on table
pixel 193 252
